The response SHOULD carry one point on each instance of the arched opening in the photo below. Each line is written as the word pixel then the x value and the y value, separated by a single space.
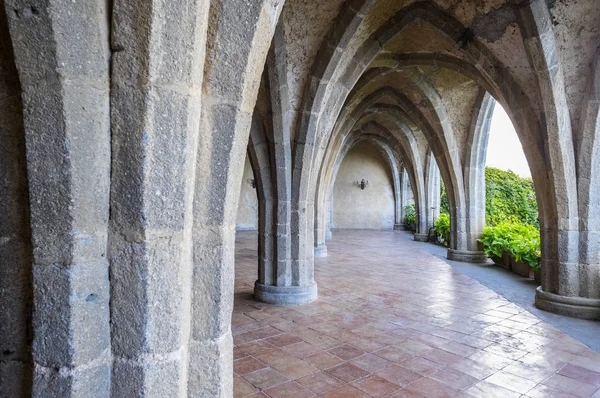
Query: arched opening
pixel 136 117
pixel 504 149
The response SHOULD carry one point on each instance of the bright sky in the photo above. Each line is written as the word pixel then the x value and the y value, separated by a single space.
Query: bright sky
pixel 504 149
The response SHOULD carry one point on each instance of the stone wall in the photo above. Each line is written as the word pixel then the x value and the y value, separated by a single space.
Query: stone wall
pixel 371 208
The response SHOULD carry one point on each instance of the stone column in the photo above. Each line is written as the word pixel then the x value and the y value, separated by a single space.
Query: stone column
pixel 403 196
pixel 65 96
pixel 321 226
pixel 330 225
pixel 240 36
pixel 258 153
pixel 430 209
pixel 474 179
pixel 283 282
pixel 15 241
pixel 156 98
pixel 571 259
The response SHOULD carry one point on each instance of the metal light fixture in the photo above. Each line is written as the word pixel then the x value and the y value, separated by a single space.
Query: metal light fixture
pixel 252 182
pixel 362 184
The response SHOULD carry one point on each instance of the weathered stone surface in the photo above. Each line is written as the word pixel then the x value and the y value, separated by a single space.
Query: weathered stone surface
pixel 15 242
pixel 64 86
pixel 213 375
pixel 466 256
pixel 127 123
pixel 156 102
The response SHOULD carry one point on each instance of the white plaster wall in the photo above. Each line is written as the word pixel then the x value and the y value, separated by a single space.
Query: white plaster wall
pixel 247 214
pixel 371 208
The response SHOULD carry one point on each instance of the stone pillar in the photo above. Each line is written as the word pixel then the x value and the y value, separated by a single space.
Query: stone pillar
pixel 403 196
pixel 321 224
pixel 289 282
pixel 474 179
pixel 422 232
pixel 65 96
pixel 430 209
pixel 432 191
pixel 569 213
pixel 236 56
pixel 15 242
pixel 330 225
pixel 284 282
pixel 321 250
pixel 155 97
pixel 259 155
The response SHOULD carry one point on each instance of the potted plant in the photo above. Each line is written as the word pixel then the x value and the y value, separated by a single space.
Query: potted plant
pixel 496 244
pixel 514 246
pixel 442 228
pixel 526 251
pixel 410 217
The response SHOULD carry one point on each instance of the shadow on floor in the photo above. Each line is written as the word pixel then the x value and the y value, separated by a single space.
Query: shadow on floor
pixel 520 291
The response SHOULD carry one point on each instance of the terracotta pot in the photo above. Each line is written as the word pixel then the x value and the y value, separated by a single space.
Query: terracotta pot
pixel 506 261
pixel 520 268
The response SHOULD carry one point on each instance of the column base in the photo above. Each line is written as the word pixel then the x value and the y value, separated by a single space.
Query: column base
pixel 285 295
pixel 576 307
pixel 328 234
pixel 421 237
pixel 400 227
pixel 467 256
pixel 321 251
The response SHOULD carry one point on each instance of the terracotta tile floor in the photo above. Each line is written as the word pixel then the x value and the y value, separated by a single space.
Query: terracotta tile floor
pixel 394 321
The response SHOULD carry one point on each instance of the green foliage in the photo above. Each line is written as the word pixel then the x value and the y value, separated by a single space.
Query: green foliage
pixel 442 227
pixel 444 206
pixel 521 241
pixel 410 217
pixel 496 241
pixel 508 198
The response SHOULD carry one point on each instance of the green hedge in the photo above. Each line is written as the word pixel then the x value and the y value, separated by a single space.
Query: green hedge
pixel 508 198
pixel 521 241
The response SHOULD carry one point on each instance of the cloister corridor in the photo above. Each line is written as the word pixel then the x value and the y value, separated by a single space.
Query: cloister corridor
pixel 392 320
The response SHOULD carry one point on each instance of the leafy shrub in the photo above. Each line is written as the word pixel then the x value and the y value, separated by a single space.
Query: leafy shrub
pixel 521 241
pixel 508 198
pixel 410 217
pixel 442 227
pixel 526 246
pixel 496 241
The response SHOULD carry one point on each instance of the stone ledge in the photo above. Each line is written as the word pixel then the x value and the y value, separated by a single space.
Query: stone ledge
pixel 400 227
pixel 467 256
pixel 321 251
pixel 576 307
pixel 285 295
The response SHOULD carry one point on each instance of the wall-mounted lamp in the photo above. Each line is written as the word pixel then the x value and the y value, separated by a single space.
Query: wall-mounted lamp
pixel 362 184
pixel 252 182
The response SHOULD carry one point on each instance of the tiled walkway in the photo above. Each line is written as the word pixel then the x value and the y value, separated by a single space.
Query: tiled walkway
pixel 394 321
